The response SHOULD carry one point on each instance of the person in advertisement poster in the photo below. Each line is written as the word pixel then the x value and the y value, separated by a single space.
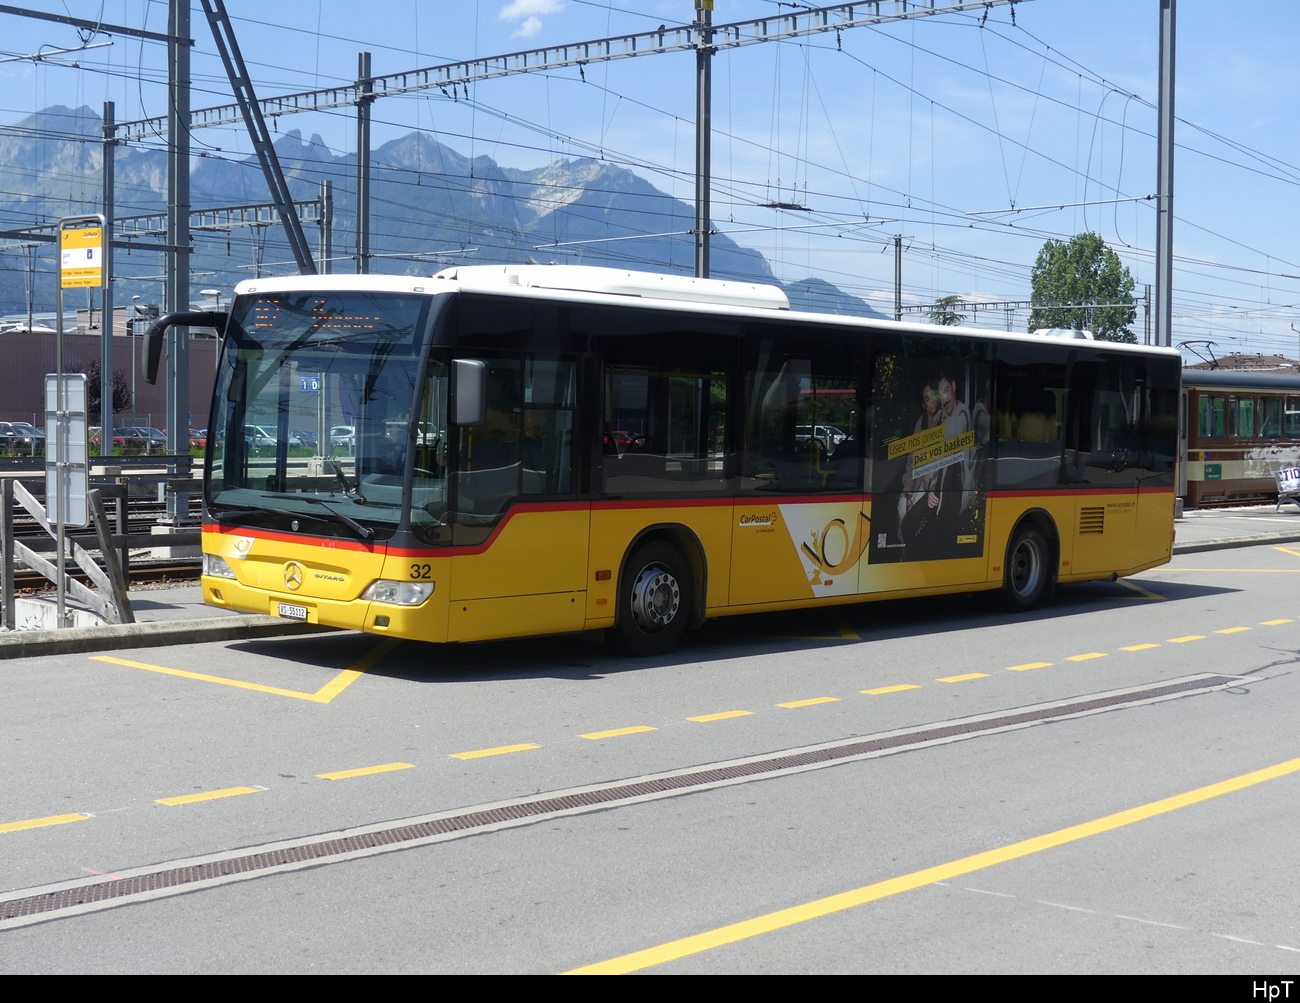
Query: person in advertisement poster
pixel 935 464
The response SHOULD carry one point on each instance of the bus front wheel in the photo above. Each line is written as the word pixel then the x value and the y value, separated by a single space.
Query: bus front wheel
pixel 654 600
pixel 1028 578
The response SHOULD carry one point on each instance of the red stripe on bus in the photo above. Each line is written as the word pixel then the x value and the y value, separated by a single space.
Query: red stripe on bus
pixel 446 550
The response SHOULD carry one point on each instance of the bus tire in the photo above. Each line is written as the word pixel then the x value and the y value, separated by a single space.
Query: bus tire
pixel 655 599
pixel 1028 578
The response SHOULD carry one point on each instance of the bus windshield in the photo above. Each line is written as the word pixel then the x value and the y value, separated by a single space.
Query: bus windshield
pixel 313 412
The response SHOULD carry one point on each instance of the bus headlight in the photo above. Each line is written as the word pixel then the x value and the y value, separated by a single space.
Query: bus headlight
pixel 398 593
pixel 217 567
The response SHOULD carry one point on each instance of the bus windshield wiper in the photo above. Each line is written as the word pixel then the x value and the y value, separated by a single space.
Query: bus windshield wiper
pixel 245 511
pixel 365 532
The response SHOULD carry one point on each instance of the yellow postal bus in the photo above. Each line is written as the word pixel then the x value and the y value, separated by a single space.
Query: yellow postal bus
pixel 540 449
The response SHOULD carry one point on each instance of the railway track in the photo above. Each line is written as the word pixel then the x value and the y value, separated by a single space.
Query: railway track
pixel 142 573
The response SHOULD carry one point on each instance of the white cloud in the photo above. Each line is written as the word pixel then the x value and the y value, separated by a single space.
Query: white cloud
pixel 527 11
pixel 528 29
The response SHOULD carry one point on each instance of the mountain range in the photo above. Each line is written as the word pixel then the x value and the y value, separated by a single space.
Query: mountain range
pixel 431 207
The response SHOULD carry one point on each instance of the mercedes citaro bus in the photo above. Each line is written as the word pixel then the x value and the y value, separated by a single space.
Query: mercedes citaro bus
pixel 481 493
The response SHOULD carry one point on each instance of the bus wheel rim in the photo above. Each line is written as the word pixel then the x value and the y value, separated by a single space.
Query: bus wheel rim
pixel 656 599
pixel 1025 568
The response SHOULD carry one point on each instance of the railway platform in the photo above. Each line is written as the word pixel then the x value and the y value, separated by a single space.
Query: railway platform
pixel 175 613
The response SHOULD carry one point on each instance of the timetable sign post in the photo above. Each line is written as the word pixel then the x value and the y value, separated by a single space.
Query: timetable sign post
pixel 81 252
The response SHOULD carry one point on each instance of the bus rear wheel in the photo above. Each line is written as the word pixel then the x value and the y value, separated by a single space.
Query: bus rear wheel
pixel 1028 579
pixel 654 600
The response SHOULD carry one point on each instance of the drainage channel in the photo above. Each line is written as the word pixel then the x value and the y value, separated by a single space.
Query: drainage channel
pixel 179 877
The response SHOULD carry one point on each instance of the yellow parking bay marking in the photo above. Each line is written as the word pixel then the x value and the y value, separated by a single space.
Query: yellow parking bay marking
pixel 706 718
pixel 1027 666
pixel 782 918
pixel 1288 550
pixel 839 623
pixel 808 703
pixel 962 679
pixel 229 792
pixel 1231 630
pixel 37 823
pixel 323 695
pixel 1147 593
pixel 1139 647
pixel 1189 637
pixel 500 750
pixel 1273 623
pixel 365 771
pixel 1084 658
pixel 615 733
pixel 890 689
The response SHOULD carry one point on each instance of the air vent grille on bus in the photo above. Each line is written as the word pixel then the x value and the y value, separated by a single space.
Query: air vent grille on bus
pixel 1092 520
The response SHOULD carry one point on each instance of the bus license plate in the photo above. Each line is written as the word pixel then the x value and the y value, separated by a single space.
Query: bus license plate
pixel 292 612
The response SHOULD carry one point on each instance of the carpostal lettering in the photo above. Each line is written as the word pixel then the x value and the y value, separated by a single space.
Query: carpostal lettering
pixel 765 519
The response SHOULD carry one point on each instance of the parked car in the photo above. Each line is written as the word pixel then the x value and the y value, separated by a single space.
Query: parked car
pixel 307 436
pixel 621 441
pixel 826 436
pixel 343 436
pixel 198 437
pixel 260 435
pixel 21 439
pixel 140 439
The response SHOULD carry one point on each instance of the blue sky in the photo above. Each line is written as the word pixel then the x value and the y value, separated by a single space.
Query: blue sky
pixel 931 128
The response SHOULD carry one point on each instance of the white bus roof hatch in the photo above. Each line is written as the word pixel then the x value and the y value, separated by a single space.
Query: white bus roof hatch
pixel 617 282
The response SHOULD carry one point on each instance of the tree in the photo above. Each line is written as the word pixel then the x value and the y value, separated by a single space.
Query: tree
pixel 945 311
pixel 1078 273
pixel 122 399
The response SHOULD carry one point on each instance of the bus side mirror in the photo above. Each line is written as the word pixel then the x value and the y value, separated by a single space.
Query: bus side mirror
pixel 469 392
pixel 152 345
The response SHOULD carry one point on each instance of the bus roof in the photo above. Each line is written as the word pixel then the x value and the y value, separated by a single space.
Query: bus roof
pixel 592 284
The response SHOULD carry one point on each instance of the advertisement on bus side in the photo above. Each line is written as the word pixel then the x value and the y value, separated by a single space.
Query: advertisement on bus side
pixel 931 422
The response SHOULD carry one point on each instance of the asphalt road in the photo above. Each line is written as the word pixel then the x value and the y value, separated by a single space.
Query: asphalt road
pixel 1110 784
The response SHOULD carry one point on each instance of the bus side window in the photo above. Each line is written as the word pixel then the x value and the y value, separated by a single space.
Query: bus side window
pixel 805 417
pixel 666 411
pixel 1029 424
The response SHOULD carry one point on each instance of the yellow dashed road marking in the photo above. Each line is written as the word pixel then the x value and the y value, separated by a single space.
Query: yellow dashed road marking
pixel 365 771
pixel 618 731
pixel 890 689
pixel 500 750
pixel 962 679
pixel 1084 658
pixel 37 823
pixel 1231 630
pixel 1027 666
pixel 705 718
pixel 808 703
pixel 1189 637
pixel 1139 647
pixel 228 792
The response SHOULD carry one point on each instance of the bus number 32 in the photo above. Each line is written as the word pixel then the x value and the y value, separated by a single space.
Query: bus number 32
pixel 420 571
